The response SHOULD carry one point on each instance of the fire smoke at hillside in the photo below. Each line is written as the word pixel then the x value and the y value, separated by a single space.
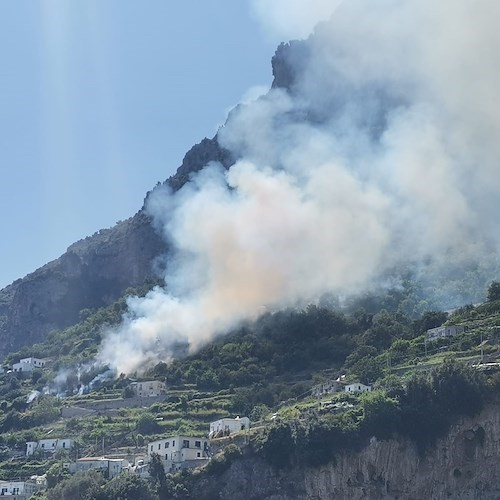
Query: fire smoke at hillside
pixel 382 154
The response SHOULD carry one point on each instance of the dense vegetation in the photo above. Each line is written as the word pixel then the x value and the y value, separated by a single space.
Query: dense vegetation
pixel 421 407
pixel 264 368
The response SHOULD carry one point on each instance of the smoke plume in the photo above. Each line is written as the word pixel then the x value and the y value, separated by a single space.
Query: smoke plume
pixel 380 155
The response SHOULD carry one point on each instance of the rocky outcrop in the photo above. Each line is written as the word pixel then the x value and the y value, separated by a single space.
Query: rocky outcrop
pixel 288 62
pixel 93 272
pixel 462 466
pixel 96 270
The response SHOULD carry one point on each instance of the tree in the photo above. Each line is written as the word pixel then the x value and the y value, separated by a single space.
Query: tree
pixel 146 424
pixel 493 291
pixel 459 388
pixel 55 474
pixel 127 487
pixel 157 473
pixel 381 414
pixel 79 487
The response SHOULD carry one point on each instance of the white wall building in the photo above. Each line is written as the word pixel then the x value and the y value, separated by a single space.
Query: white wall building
pixel 110 467
pixel 444 331
pixel 150 388
pixel 179 452
pixel 49 445
pixel 28 364
pixel 357 387
pixel 22 368
pixel 18 489
pixel 227 426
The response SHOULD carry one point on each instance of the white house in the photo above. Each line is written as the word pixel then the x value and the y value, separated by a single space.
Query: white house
pixel 357 387
pixel 22 367
pixel 18 489
pixel 445 331
pixel 150 388
pixel 180 452
pixel 110 467
pixel 328 387
pixel 49 445
pixel 227 426
pixel 28 364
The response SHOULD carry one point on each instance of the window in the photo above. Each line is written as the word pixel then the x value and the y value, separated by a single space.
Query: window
pixel 185 443
pixel 198 454
pixel 159 445
pixel 167 444
pixel 197 444
pixel 173 443
pixel 43 445
pixel 151 447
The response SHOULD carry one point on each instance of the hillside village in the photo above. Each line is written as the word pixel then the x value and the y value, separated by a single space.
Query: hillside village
pixel 121 426
pixel 175 452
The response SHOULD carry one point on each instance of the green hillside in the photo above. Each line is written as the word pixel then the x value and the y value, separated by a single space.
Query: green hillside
pixel 266 370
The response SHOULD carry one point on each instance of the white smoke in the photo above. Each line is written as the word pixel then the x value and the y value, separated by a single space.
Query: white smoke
pixel 292 18
pixel 384 153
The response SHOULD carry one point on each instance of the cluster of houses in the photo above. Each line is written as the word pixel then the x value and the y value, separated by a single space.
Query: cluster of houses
pixel 175 452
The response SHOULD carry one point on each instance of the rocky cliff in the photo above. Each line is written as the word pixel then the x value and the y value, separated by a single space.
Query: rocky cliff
pixel 96 270
pixel 93 272
pixel 462 466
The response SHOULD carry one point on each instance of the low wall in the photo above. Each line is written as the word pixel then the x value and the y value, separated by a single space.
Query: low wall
pixel 113 404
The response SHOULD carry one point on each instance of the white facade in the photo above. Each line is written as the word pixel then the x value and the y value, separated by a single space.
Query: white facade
pixel 28 364
pixel 227 426
pixel 444 331
pixel 358 387
pixel 22 489
pixel 22 367
pixel 36 362
pixel 49 445
pixel 110 467
pixel 150 388
pixel 179 451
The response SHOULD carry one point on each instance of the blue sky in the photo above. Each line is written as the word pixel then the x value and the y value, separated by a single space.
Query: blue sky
pixel 99 100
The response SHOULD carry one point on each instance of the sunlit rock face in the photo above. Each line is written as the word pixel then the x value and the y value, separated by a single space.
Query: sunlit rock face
pixel 461 466
pixel 94 271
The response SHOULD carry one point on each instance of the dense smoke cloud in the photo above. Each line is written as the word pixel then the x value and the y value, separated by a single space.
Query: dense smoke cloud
pixel 382 155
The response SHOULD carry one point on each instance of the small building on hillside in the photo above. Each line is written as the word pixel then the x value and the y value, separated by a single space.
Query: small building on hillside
pixel 149 389
pixel 20 490
pixel 227 426
pixel 328 387
pixel 445 331
pixel 110 467
pixel 49 445
pixel 357 387
pixel 28 364
pixel 180 452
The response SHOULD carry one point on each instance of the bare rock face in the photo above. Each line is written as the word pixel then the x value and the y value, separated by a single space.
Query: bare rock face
pixel 288 62
pixel 93 272
pixel 462 466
